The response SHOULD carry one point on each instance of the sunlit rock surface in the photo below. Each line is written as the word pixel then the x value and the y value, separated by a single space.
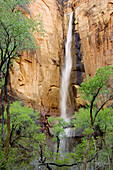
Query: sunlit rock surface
pixel 36 77
pixel 94 22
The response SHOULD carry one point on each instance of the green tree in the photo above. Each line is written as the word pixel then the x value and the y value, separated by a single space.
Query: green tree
pixel 17 30
pixel 98 91
pixel 16 34
pixel 26 138
pixel 58 129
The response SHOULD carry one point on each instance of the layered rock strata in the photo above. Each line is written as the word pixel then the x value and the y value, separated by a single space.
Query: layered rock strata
pixel 93 32
pixel 94 22
pixel 36 78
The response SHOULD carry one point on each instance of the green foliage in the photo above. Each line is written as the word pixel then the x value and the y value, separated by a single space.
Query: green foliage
pixel 17 30
pixel 25 136
pixel 101 80
pixel 58 126
pixel 60 157
pixel 81 148
pixel 105 119
pixel 2 82
pixel 96 122
pixel 19 27
pixel 23 117
pixel 82 119
pixel 105 123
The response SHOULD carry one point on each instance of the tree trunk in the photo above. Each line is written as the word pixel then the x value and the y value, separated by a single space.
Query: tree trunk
pixel 109 158
pixel 2 108
pixel 8 129
pixel 86 152
pixel 7 110
pixel 41 153
pixel 48 167
pixel 58 144
pixel 2 111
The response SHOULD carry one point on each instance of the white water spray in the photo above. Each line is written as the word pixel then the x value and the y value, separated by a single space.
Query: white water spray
pixel 66 72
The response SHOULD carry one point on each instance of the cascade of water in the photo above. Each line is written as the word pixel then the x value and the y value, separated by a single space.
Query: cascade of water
pixel 66 72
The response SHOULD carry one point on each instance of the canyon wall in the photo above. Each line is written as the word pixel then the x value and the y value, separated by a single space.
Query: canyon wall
pixel 36 77
pixel 94 22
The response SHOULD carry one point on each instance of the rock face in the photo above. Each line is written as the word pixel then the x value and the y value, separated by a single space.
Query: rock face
pixel 36 78
pixel 94 23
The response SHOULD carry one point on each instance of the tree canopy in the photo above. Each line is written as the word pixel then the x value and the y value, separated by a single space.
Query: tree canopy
pixel 96 119
pixel 16 29
pixel 98 90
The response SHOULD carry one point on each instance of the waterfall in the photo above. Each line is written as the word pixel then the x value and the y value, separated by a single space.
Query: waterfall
pixel 66 72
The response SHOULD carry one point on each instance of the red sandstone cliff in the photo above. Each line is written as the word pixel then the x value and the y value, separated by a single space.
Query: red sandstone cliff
pixel 36 79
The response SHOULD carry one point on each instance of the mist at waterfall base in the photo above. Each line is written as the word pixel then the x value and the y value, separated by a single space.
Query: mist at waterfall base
pixel 66 72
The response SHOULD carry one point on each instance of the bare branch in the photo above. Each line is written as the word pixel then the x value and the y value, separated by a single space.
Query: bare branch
pixel 101 108
pixel 86 152
pixel 13 48
pixel 68 165
pixel 9 55
pixel 23 147
pixel 1 52
pixel 91 107
pixel 11 143
pixel 8 40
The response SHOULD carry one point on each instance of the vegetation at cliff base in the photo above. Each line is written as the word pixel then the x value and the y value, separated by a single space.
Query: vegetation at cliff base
pixel 26 137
